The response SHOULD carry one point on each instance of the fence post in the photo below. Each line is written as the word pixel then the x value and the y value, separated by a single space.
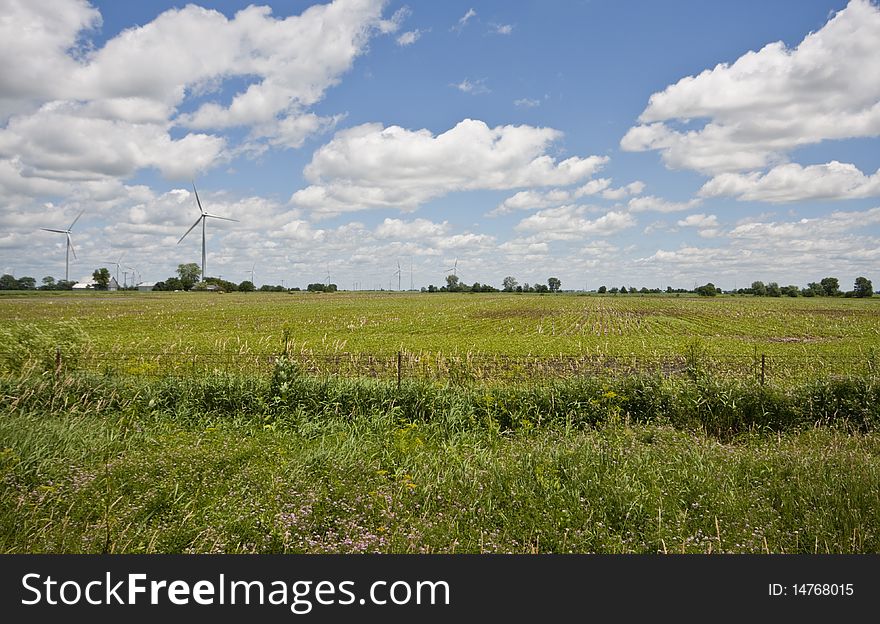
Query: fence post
pixel 57 359
pixel 399 362
pixel 763 357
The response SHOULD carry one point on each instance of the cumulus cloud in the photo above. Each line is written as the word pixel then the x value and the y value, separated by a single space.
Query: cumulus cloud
pixel 371 166
pixel 532 199
pixel 569 222
pixel 417 228
pixel 633 188
pixel 836 223
pixel 757 110
pixel 72 111
pixel 707 225
pixel 793 182
pixel 650 203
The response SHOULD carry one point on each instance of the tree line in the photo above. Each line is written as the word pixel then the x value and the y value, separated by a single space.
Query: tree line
pixel 188 278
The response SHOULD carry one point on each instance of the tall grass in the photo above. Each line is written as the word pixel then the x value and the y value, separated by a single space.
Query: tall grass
pixel 297 464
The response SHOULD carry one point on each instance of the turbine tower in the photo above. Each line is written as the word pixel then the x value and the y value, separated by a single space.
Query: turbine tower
pixel 397 273
pixel 69 245
pixel 117 263
pixel 202 218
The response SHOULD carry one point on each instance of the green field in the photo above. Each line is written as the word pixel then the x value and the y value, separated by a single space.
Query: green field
pixel 827 335
pixel 131 423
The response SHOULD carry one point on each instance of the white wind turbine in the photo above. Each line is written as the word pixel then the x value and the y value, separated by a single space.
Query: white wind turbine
pixel 397 273
pixel 117 263
pixel 202 218
pixel 69 245
pixel 453 269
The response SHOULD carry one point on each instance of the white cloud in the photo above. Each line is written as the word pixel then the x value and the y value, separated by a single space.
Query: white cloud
pixel 793 182
pixel 532 199
pixel 569 222
pixel 633 188
pixel 77 113
pixel 417 228
pixel 657 204
pixel 770 102
pixel 409 37
pixel 371 166
pixel 526 103
pixel 464 19
pixel 699 221
pixel 835 223
pixel 477 87
pixel 501 29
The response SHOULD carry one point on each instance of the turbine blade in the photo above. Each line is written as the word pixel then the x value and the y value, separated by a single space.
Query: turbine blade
pixel 75 220
pixel 70 242
pixel 50 230
pixel 191 228
pixel 219 217
pixel 198 201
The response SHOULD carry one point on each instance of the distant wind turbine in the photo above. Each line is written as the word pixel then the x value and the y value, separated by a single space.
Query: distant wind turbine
pixel 202 218
pixel 69 245
pixel 117 263
pixel 397 273
pixel 453 268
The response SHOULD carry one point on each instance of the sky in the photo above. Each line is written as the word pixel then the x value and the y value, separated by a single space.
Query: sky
pixel 625 143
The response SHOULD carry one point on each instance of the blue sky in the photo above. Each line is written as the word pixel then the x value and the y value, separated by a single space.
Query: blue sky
pixel 618 143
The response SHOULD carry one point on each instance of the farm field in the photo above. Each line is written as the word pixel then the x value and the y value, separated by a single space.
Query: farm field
pixel 839 334
pixel 103 453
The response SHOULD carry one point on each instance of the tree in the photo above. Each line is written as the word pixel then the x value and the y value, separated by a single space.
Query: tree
pixel 707 290
pixel 452 282
pixel 830 287
pixel 813 289
pixel 27 283
pixel 8 282
pixel 623 290
pixel 102 278
pixel 48 283
pixel 189 274
pixel 554 284
pixel 509 283
pixel 863 287
pixel 246 286
pixel 773 290
pixel 602 290
pixel 758 289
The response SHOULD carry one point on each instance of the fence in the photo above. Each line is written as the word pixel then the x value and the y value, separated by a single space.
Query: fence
pixel 455 368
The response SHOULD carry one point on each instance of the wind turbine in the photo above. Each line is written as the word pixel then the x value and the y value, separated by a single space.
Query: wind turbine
pixel 135 276
pixel 328 274
pixel 252 272
pixel 69 245
pixel 202 218
pixel 453 269
pixel 116 262
pixel 397 273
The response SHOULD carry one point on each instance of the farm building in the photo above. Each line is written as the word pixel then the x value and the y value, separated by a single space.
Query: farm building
pixel 87 283
pixel 146 286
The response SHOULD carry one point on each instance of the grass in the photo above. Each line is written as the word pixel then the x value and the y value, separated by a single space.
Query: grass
pixel 220 465
pixel 105 453
pixel 508 324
